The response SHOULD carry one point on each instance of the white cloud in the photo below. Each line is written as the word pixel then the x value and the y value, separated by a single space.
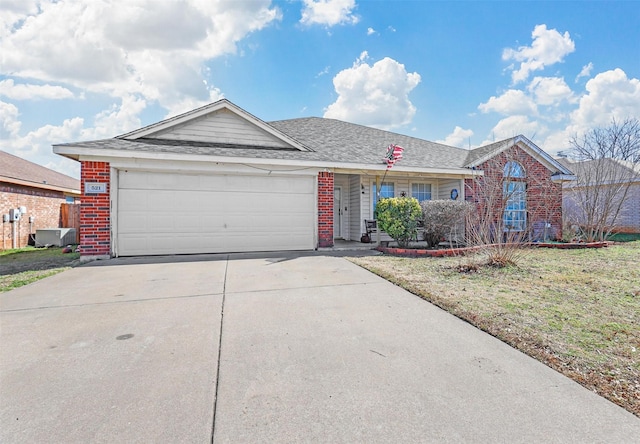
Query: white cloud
pixel 513 101
pixel 459 137
pixel 138 52
pixel 23 91
pixel 35 145
pixel 9 120
pixel 329 12
pixel 118 119
pixel 370 31
pixel 120 48
pixel 548 47
pixel 324 71
pixel 516 125
pixel 610 94
pixel 550 90
pixel 586 71
pixel 376 95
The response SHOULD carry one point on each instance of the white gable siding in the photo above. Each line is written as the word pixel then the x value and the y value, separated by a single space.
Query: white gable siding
pixel 222 127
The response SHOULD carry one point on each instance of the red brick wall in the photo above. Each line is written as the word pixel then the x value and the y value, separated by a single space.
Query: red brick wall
pixel 95 221
pixel 325 209
pixel 44 205
pixel 544 198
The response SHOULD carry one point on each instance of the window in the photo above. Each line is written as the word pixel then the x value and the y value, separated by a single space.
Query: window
pixel 70 199
pixel 513 170
pixel 515 195
pixel 386 190
pixel 515 210
pixel 421 191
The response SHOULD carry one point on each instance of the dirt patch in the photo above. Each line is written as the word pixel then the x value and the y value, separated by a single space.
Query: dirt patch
pixel 23 266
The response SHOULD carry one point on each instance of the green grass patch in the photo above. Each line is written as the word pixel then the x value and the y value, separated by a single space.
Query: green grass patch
pixel 578 311
pixel 25 265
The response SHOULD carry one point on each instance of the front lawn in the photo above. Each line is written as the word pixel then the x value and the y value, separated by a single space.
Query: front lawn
pixel 578 311
pixel 25 265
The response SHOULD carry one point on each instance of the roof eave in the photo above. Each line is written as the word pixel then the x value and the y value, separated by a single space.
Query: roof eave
pixel 44 186
pixel 119 157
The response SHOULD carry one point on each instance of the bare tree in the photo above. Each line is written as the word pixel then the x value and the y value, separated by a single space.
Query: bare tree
pixel 606 162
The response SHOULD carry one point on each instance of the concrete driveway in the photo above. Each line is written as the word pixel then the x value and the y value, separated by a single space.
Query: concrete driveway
pixel 289 348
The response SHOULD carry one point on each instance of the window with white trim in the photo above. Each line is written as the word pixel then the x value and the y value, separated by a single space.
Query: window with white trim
pixel 386 190
pixel 421 191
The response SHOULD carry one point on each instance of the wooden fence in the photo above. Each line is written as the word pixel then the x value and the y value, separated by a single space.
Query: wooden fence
pixel 70 218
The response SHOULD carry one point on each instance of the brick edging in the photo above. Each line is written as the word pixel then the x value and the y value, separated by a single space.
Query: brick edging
pixel 448 252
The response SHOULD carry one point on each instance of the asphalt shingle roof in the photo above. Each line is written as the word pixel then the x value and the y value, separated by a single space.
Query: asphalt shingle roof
pixel 13 167
pixel 329 140
pixel 340 141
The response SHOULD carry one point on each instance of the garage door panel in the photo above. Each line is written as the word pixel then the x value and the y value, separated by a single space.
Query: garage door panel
pixel 161 213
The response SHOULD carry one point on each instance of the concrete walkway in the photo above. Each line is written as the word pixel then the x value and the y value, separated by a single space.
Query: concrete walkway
pixel 293 348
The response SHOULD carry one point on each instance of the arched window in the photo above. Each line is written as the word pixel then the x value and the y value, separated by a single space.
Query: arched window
pixel 515 196
pixel 513 170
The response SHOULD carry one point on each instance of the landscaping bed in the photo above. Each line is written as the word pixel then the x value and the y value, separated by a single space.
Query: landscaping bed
pixel 577 310
pixel 461 251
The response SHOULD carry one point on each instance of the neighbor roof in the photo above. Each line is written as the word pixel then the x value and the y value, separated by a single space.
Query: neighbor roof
pixel 602 171
pixel 14 169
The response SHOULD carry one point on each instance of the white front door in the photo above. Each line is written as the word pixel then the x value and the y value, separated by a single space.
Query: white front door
pixel 337 212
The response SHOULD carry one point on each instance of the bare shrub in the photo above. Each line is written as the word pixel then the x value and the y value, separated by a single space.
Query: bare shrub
pixel 444 220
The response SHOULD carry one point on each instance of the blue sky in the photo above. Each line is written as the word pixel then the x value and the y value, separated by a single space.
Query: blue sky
pixel 461 73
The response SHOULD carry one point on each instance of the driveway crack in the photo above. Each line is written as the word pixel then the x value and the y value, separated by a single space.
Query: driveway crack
pixel 215 396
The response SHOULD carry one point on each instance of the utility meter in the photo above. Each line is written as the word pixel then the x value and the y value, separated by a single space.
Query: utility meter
pixel 14 214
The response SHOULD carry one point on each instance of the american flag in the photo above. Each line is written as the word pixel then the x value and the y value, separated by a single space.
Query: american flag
pixel 394 153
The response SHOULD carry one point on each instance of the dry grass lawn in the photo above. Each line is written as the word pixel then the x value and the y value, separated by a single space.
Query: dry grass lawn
pixel 578 311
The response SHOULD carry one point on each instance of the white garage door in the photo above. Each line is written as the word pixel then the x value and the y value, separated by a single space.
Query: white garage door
pixel 163 213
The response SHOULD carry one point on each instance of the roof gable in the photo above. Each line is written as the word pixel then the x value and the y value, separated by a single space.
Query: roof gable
pixel 480 155
pixel 220 123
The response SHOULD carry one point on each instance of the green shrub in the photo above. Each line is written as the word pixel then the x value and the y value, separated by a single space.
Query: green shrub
pixel 398 217
pixel 443 218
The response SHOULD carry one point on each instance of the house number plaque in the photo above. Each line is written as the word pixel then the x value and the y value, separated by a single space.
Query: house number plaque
pixel 95 188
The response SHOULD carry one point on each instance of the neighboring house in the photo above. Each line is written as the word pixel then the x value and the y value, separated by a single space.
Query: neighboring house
pixel 218 179
pixel 37 190
pixel 605 185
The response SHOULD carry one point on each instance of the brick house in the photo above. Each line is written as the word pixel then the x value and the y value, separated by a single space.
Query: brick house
pixel 218 179
pixel 607 185
pixel 37 189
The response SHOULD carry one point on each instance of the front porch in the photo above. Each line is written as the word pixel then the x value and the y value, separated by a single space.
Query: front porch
pixel 354 196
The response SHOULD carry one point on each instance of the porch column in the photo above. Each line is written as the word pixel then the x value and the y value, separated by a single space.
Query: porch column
pixel 325 209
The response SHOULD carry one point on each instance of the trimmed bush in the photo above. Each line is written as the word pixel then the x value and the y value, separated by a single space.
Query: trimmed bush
pixel 441 218
pixel 398 217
